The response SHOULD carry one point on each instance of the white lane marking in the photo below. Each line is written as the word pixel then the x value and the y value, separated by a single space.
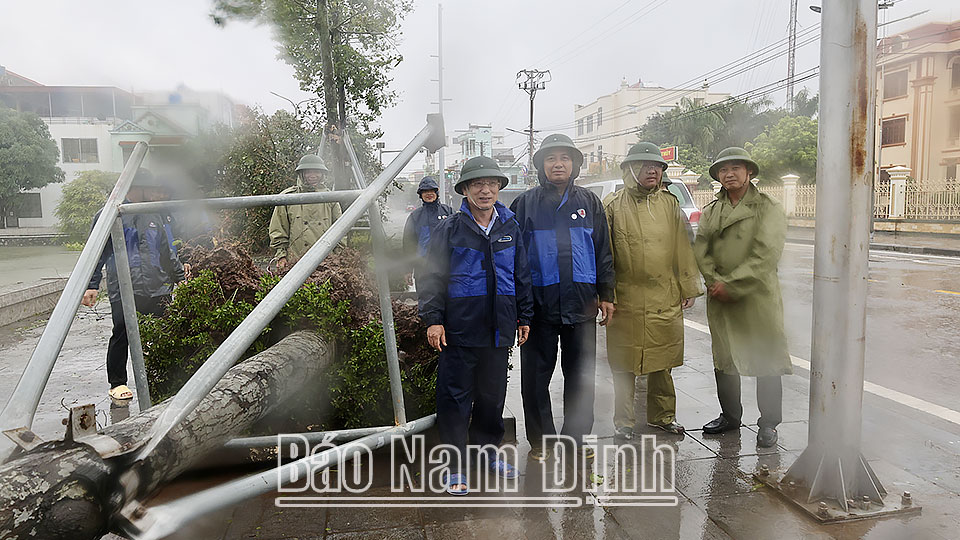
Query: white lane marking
pixel 893 254
pixel 921 405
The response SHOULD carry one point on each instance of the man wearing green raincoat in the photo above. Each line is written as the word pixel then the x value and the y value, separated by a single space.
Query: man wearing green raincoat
pixel 656 278
pixel 295 228
pixel 738 247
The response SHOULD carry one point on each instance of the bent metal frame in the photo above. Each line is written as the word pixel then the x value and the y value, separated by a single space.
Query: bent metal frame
pixel 159 521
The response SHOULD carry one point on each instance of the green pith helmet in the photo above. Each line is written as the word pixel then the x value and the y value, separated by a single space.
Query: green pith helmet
pixel 644 151
pixel 312 161
pixel 553 142
pixel 734 153
pixel 479 167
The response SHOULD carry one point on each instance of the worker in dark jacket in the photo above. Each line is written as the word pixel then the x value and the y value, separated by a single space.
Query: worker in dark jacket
pixel 568 245
pixel 422 221
pixel 154 269
pixel 476 302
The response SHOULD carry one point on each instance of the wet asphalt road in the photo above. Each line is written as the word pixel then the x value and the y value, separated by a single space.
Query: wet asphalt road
pixel 913 320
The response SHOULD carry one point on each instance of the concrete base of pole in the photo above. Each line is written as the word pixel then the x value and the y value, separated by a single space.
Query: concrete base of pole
pixel 853 508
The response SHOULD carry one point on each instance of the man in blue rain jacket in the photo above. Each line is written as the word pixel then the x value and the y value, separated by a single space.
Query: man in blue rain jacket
pixel 422 222
pixel 154 269
pixel 476 302
pixel 571 265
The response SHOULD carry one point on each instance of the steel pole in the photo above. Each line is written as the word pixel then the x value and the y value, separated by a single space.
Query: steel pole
pixel 312 437
pixel 247 331
pixel 832 467
pixel 379 238
pixel 165 519
pixel 129 306
pixel 444 194
pixel 22 405
pixel 530 173
pixel 232 203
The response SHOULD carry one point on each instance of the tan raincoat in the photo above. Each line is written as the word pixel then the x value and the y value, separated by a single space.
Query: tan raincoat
pixel 295 228
pixel 655 270
pixel 741 246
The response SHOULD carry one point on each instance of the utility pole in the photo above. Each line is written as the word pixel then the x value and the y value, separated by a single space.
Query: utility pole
pixel 791 54
pixel 531 80
pixel 832 466
pixel 441 165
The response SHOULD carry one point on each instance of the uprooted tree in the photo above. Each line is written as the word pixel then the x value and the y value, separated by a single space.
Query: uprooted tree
pixel 339 301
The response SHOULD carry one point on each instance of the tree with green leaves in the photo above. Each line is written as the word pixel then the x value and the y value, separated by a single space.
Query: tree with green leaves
pixel 341 50
pixel 789 146
pixel 80 201
pixel 261 161
pixel 806 105
pixel 28 157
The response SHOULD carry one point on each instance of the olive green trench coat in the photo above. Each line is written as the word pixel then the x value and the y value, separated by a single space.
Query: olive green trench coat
pixel 295 228
pixel 741 246
pixel 655 270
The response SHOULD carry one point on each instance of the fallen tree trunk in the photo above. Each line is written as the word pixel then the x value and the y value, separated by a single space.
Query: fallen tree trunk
pixel 65 490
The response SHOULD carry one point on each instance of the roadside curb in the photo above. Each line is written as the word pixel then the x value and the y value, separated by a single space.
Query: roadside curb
pixel 914 250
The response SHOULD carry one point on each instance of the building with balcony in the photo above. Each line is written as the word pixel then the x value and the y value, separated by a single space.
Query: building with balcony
pixel 96 128
pixel 918 84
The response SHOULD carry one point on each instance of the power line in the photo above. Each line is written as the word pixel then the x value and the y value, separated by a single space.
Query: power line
pixel 669 94
pixel 688 86
pixel 745 97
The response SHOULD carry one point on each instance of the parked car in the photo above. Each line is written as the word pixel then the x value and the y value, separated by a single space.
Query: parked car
pixel 604 188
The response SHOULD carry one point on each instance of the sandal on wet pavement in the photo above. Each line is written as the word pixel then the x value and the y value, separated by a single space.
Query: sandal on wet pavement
pixel 121 392
pixel 453 480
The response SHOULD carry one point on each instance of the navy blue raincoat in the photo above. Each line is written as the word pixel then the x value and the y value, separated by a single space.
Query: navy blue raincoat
pixel 154 265
pixel 420 226
pixel 477 287
pixel 568 245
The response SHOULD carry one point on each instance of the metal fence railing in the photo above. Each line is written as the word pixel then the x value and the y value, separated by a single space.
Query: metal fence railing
pixel 918 200
pixel 20 409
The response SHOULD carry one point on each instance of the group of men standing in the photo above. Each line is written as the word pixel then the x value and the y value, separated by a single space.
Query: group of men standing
pixel 538 275
pixel 543 270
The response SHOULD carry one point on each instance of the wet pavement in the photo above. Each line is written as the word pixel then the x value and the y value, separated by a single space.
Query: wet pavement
pixel 909 435
pixel 33 263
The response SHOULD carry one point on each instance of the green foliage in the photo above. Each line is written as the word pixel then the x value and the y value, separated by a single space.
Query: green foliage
pixel 200 317
pixel 261 161
pixel 310 307
pixel 702 131
pixel 789 146
pixel 359 383
pixel 74 246
pixel 81 200
pixel 28 156
pixel 806 105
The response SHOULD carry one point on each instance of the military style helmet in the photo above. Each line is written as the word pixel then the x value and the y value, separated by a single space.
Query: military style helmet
pixel 553 142
pixel 644 151
pixel 734 153
pixel 312 161
pixel 479 167
pixel 428 183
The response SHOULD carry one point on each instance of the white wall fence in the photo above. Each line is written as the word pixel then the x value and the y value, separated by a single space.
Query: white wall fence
pixel 901 198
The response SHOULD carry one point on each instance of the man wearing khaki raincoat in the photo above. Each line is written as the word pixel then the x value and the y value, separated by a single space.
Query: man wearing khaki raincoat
pixel 656 277
pixel 295 228
pixel 738 247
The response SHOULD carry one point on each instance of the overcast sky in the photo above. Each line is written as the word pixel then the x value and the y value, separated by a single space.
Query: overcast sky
pixel 588 46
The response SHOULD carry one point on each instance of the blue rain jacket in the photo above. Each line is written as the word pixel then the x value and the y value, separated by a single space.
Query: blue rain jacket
pixel 420 226
pixel 154 265
pixel 568 247
pixel 477 287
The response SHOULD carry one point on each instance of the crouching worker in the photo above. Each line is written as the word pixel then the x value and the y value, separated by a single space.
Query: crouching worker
pixel 475 297
pixel 154 269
